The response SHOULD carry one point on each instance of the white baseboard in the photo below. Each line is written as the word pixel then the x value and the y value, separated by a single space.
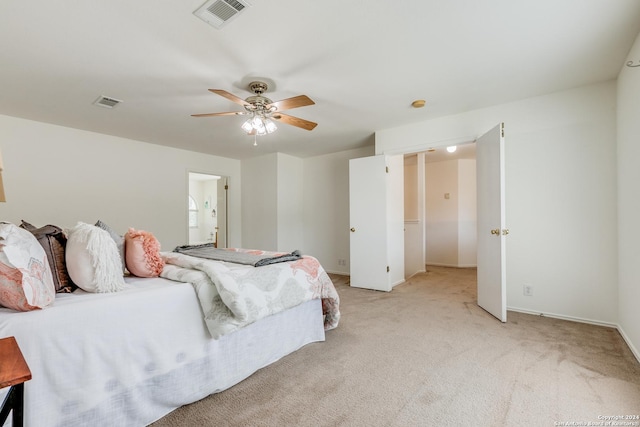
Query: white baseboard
pixel 435 264
pixel 626 339
pixel 563 317
pixel 399 282
pixel 341 273
pixel 417 272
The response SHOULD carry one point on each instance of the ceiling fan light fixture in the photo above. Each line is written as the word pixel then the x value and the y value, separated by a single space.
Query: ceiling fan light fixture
pixel 259 125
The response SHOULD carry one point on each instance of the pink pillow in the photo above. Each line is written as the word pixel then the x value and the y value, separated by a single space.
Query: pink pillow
pixel 142 252
pixel 26 282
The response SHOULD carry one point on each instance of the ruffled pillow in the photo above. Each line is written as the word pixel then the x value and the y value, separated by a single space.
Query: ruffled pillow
pixel 93 260
pixel 26 282
pixel 142 252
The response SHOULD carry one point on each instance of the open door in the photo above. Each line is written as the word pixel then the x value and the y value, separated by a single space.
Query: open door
pixel 376 214
pixel 221 212
pixel 492 290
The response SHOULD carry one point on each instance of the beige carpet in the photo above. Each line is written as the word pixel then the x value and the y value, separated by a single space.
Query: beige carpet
pixel 426 355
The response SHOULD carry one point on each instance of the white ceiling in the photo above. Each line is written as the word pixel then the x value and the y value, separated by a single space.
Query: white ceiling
pixel 362 62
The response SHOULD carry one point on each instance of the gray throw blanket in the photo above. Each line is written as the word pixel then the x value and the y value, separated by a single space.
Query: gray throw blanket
pixel 208 251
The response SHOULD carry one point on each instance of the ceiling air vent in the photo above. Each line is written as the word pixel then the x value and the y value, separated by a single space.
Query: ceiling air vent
pixel 106 102
pixel 218 12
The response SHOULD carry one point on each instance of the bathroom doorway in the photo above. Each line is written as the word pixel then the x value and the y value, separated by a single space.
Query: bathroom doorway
pixel 207 209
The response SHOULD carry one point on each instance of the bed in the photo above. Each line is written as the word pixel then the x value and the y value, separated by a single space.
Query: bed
pixel 130 357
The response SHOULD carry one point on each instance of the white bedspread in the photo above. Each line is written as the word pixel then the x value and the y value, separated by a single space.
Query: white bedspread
pixel 130 357
pixel 235 295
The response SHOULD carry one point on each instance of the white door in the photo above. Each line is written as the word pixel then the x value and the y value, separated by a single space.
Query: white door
pixel 492 290
pixel 221 212
pixel 368 219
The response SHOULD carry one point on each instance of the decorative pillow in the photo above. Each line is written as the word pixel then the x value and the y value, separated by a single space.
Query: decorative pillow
pixel 93 260
pixel 143 253
pixel 53 241
pixel 116 238
pixel 25 276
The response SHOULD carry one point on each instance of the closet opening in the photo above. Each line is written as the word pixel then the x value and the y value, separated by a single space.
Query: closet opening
pixel 440 208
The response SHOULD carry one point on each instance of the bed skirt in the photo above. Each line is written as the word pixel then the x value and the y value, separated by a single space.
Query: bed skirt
pixel 131 357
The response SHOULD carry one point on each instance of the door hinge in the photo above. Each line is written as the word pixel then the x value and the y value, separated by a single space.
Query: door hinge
pixel 387 268
pixel 386 169
pixel 226 186
pixel 502 130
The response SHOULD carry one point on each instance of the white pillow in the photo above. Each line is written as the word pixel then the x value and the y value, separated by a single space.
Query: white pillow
pixel 26 282
pixel 93 260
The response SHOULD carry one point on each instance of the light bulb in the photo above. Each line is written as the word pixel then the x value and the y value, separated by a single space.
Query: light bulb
pixel 270 126
pixel 247 127
pixel 452 149
pixel 257 122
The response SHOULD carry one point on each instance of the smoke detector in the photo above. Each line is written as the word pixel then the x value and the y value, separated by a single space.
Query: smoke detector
pixel 218 13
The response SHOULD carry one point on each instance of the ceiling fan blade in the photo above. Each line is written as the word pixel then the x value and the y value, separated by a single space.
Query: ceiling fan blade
pixel 294 121
pixel 230 113
pixel 231 97
pixel 295 102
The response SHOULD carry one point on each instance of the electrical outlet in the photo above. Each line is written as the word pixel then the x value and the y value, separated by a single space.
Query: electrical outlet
pixel 528 290
pixel 342 262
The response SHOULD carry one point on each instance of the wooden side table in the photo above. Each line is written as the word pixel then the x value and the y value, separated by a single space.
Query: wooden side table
pixel 14 371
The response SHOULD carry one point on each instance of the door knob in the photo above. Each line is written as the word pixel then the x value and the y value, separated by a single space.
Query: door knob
pixel 353 230
pixel 505 231
pixel 495 231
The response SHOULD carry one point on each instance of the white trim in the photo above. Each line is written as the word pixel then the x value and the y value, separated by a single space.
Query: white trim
pixel 424 146
pixel 414 274
pixel 412 221
pixel 340 273
pixel 399 282
pixel 563 317
pixel 626 339
pixel 436 264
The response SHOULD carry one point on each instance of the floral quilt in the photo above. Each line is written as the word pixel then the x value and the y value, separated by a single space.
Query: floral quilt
pixel 235 295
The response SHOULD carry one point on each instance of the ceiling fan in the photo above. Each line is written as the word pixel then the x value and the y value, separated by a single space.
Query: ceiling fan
pixel 263 111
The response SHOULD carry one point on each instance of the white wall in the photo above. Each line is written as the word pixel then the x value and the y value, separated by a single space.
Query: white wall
pixel 451 233
pixel 272 200
pixel 441 214
pixel 260 202
pixel 58 175
pixel 410 188
pixel 561 195
pixel 290 203
pixel 628 128
pixel 326 207
pixel 467 213
pixel 413 215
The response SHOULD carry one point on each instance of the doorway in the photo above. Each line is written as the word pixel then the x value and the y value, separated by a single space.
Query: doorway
pixel 440 208
pixel 207 209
